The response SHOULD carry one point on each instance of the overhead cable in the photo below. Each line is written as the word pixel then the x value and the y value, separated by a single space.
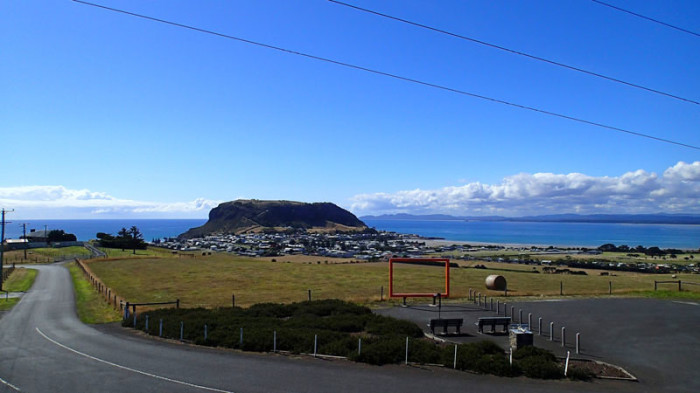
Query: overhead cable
pixel 402 78
pixel 516 52
pixel 647 18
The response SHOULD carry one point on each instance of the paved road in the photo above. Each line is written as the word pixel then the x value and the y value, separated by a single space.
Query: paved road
pixel 44 348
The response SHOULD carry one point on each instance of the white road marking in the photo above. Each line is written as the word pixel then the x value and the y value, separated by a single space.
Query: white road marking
pixel 128 368
pixel 689 303
pixel 10 385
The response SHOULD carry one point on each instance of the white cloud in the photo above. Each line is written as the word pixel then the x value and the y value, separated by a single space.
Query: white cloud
pixel 677 190
pixel 62 202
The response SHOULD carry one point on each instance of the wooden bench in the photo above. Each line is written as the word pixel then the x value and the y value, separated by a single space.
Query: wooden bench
pixel 445 323
pixel 493 322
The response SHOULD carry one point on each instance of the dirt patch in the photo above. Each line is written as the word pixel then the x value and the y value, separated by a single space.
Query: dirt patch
pixel 600 369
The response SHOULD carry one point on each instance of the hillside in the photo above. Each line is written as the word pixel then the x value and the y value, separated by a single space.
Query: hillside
pixel 257 216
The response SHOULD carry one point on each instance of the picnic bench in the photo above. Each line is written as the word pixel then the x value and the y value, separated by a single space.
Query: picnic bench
pixel 444 323
pixel 493 322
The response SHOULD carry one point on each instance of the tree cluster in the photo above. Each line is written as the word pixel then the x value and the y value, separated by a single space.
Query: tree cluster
pixel 651 251
pixel 59 235
pixel 131 238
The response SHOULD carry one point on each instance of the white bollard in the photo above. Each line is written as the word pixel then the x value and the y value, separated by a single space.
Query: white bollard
pixel 406 351
pixel 454 366
pixel 551 331
pixel 578 342
pixel 563 336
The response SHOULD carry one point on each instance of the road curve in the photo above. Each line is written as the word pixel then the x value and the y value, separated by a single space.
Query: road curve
pixel 45 348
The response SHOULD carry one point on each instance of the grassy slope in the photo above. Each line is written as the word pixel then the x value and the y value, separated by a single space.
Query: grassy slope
pixel 92 308
pixel 210 281
pixel 19 281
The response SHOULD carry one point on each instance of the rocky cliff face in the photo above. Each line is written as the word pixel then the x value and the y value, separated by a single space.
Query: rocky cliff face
pixel 255 216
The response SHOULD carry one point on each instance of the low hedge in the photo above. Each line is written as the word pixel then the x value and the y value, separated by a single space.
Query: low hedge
pixel 338 326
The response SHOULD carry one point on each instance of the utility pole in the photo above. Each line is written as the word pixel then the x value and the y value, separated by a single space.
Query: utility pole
pixel 26 244
pixel 2 245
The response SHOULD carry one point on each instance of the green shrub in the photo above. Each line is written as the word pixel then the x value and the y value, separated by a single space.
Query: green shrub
pixel 578 374
pixel 425 352
pixel 496 364
pixel 386 350
pixel 540 367
pixel 483 357
pixel 387 326
pixel 531 350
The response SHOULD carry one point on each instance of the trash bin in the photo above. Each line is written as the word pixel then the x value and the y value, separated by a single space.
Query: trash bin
pixel 520 337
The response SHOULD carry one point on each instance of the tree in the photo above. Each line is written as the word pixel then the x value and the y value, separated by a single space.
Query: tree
pixel 136 238
pixel 59 235
pixel 654 251
pixel 608 247
pixel 131 238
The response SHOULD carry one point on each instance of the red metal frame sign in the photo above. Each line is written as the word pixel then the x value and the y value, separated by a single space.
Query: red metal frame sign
pixel 445 294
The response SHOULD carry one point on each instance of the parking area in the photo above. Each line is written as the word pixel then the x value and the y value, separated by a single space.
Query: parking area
pixel 657 341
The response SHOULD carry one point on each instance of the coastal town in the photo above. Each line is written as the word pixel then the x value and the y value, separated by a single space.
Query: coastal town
pixel 382 245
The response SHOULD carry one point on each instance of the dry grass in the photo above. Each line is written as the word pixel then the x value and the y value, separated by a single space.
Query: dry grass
pixel 210 281
pixel 45 254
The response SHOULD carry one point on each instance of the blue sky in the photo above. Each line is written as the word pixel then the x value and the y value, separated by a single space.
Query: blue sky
pixel 105 115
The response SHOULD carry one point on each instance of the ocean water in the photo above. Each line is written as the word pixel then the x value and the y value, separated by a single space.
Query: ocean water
pixel 531 233
pixel 87 229
pixel 550 233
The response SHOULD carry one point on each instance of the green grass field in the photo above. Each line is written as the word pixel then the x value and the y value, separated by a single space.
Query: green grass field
pixel 19 281
pixel 211 281
pixel 149 252
pixel 92 308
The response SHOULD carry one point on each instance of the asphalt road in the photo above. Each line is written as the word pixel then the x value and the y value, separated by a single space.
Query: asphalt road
pixel 45 348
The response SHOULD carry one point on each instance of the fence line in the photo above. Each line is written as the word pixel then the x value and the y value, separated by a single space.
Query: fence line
pixel 679 282
pixel 116 301
pixel 6 271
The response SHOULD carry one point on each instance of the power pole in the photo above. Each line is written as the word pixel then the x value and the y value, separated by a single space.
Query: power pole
pixel 26 244
pixel 2 245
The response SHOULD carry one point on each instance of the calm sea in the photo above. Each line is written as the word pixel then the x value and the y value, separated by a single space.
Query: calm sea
pixel 532 233
pixel 87 229
pixel 550 233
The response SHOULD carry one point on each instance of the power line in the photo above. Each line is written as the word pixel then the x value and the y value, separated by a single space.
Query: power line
pixel 516 52
pixel 394 76
pixel 647 18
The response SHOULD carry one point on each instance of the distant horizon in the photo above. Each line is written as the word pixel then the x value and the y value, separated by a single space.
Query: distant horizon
pixel 573 234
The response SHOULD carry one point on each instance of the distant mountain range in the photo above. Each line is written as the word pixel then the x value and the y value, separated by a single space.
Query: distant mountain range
pixel 686 219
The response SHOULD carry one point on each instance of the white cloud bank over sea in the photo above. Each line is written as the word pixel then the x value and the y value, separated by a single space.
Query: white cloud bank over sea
pixel 676 190
pixel 58 202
